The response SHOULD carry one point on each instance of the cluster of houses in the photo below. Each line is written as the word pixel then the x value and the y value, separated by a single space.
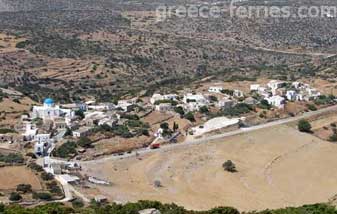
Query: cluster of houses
pixel 275 92
pixel 49 123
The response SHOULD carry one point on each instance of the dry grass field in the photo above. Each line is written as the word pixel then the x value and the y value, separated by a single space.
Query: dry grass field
pixel 277 167
pixel 12 176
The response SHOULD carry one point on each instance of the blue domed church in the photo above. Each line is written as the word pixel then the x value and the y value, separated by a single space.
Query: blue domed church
pixel 50 111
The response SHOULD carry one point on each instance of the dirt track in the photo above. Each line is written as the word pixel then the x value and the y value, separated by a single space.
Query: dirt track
pixel 277 167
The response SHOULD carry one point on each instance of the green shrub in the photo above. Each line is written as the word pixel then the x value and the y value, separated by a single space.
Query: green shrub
pixel 42 195
pixel 229 166
pixel 84 142
pixel 46 176
pixel 304 126
pixel 24 188
pixel 14 196
pixel 190 116
pixel 11 158
pixel 66 150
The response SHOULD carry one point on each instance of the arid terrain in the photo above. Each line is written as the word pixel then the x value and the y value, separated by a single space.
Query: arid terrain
pixel 10 177
pixel 277 167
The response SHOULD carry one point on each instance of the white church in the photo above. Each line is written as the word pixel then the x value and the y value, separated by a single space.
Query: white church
pixel 50 111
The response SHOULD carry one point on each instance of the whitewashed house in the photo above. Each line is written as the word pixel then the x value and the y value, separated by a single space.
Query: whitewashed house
pixel 82 132
pixel 159 97
pixel 215 89
pixel 254 87
pixel 275 84
pixel 296 85
pixel 193 102
pixel 291 95
pixel 226 103
pixel 276 101
pixel 163 107
pixel 42 137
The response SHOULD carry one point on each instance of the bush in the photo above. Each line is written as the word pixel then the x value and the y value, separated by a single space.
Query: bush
pixel 42 195
pixel 304 126
pixel 11 158
pixel 312 107
pixel 189 116
pixel 237 110
pixel 179 110
pixel 333 137
pixel 80 114
pixel 264 104
pixel 203 110
pixel 24 188
pixel 66 150
pixel 46 176
pixel 6 131
pixel 84 142
pixel 14 196
pixel 54 188
pixel 224 210
pixel 35 167
pixel 77 203
pixel 229 166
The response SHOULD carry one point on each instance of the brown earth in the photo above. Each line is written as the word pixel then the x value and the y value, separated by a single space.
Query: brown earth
pixel 277 167
pixel 12 176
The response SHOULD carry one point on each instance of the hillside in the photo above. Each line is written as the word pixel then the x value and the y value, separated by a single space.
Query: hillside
pixel 69 50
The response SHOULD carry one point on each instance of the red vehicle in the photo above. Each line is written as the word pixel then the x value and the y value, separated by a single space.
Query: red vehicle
pixel 155 146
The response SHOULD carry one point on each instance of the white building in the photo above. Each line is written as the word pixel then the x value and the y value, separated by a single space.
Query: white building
pixel 276 101
pixel 275 84
pixel 51 111
pixel 291 95
pixel 215 89
pixel 40 148
pixel 42 137
pixel 254 87
pixel 82 132
pixel 296 85
pixel 195 98
pixel 226 103
pixel 163 107
pixel 126 105
pixel 158 97
pixel 30 132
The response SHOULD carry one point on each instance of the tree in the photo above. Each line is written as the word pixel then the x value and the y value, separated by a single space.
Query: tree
pixel 24 188
pixel 175 126
pixel 203 110
pixel 47 176
pixel 69 132
pixel 79 113
pixel 333 137
pixel 84 142
pixel 189 116
pixel 164 125
pixel 304 126
pixel 179 110
pixel 42 195
pixel 14 196
pixel 77 203
pixel 229 166
pixel 264 104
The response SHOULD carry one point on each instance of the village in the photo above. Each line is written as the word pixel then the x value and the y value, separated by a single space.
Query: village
pixel 61 136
